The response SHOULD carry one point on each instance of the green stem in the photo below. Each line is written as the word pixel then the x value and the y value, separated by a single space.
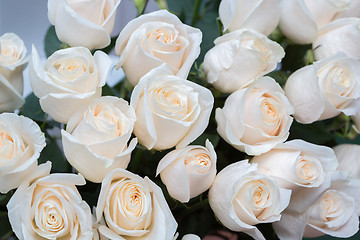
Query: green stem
pixel 196 12
pixel 44 122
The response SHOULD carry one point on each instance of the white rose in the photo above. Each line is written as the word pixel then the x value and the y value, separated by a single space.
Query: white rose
pixel 328 87
pixel 241 197
pixel 189 171
pixel 50 207
pixel 341 35
pixel 348 157
pixel 352 11
pixel 96 136
pixel 297 164
pixel 301 167
pixel 155 38
pixel 255 119
pixel 83 23
pixel 240 57
pixel 262 15
pixel 335 213
pixel 170 111
pixel 70 78
pixel 300 20
pixel 133 207
pixel 21 142
pixel 12 63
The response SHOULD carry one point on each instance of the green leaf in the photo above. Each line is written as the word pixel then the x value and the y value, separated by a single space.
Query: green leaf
pixel 53 153
pixel 108 91
pixel 5 227
pixel 314 133
pixel 32 108
pixel 52 43
pixel 111 46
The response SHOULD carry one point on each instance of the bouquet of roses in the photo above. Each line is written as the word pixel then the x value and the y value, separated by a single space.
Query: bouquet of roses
pixel 230 122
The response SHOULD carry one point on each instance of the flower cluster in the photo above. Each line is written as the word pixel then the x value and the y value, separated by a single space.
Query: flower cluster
pixel 254 167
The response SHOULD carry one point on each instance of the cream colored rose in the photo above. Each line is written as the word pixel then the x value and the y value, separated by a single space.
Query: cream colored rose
pixel 352 11
pixel 12 63
pixel 156 38
pixel 133 208
pixel 300 20
pixel 260 15
pixel 341 35
pixel 21 142
pixel 189 171
pixel 82 22
pixel 335 213
pixel 50 207
pixel 297 164
pixel 348 157
pixel 240 57
pixel 255 119
pixel 96 136
pixel 170 111
pixel 328 87
pixel 302 167
pixel 70 78
pixel 241 198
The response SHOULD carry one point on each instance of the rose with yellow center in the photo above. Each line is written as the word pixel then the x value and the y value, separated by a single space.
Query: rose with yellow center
pixel 96 137
pixel 329 87
pixel 12 64
pixel 187 172
pixel 156 38
pixel 241 197
pixel 334 211
pixel 50 207
pixel 82 22
pixel 239 58
pixel 71 78
pixel 170 111
pixel 255 119
pixel 133 207
pixel 21 142
pixel 301 167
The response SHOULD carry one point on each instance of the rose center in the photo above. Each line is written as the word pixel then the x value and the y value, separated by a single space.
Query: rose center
pixel 8 54
pixel 9 147
pixel 330 206
pixel 70 68
pixel 341 83
pixel 198 161
pixel 162 35
pixel 259 46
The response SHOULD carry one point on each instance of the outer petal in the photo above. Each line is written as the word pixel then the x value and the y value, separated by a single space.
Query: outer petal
pixel 308 103
pixel 348 157
pixel 104 64
pixel 260 15
pixel 93 166
pixel 191 237
pixel 330 39
pixel 291 225
pixel 296 22
pixel 62 106
pixel 77 31
pixel 174 176
pixel 10 98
